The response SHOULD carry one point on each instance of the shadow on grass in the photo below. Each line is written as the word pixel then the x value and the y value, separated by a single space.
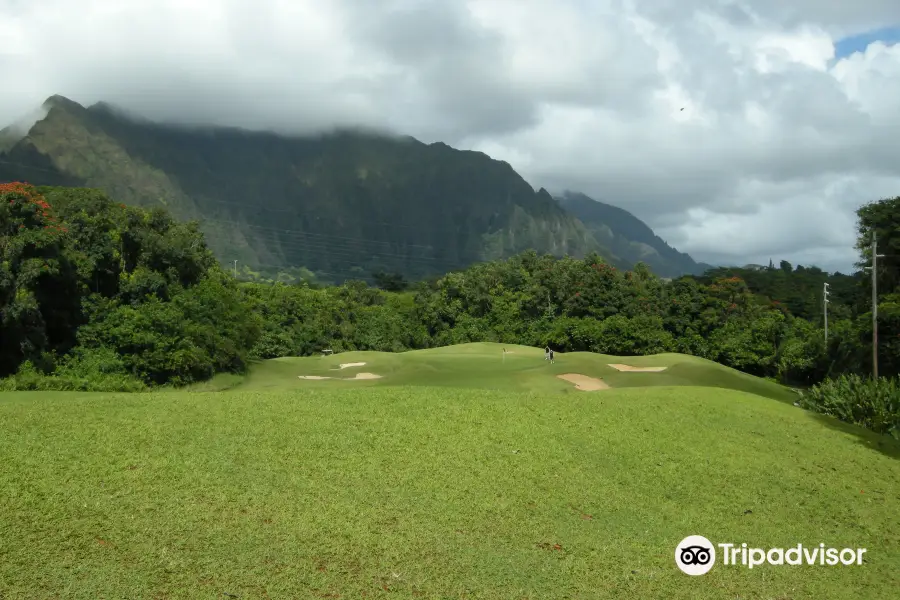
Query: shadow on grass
pixel 882 443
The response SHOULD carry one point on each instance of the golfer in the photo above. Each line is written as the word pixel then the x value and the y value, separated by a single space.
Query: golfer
pixel 550 355
pixel 547 353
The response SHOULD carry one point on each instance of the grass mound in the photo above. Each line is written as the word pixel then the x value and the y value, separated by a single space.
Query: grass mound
pixel 522 368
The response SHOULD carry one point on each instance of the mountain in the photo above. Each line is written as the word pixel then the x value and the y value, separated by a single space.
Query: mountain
pixel 629 238
pixel 344 204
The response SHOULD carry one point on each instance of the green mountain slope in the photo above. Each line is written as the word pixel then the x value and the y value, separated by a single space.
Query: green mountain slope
pixel 628 237
pixel 343 204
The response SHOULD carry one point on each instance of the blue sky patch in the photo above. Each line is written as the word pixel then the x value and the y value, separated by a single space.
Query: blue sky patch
pixel 858 43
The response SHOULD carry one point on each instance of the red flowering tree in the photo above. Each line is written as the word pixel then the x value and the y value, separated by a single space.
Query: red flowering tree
pixel 27 209
pixel 36 279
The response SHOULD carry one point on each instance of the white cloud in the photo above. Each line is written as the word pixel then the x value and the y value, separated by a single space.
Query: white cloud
pixel 777 144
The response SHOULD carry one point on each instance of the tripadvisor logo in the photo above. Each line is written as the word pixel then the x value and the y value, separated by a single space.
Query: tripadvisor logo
pixel 696 555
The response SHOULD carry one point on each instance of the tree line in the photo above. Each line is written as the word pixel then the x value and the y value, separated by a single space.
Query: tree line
pixel 98 295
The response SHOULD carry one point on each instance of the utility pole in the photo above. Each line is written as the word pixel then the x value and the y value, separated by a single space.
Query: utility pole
pixel 825 298
pixel 549 308
pixel 235 268
pixel 874 269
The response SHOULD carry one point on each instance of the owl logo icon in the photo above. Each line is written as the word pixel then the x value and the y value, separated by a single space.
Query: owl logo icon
pixel 695 555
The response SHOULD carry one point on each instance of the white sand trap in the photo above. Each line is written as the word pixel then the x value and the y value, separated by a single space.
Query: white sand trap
pixel 364 376
pixel 348 365
pixel 584 383
pixel 638 369
pixel 358 376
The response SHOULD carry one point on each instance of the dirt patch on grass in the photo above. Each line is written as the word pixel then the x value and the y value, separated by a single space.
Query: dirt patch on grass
pixel 348 365
pixel 638 369
pixel 585 383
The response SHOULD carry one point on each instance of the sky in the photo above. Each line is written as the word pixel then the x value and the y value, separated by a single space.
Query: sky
pixel 790 120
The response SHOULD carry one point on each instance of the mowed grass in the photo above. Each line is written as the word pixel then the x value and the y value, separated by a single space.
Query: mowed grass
pixel 365 490
pixel 484 366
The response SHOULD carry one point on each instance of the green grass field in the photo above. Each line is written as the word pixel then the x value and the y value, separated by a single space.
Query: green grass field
pixel 484 367
pixel 458 474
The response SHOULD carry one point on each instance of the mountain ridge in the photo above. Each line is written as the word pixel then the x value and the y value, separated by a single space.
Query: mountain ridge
pixel 342 203
pixel 628 237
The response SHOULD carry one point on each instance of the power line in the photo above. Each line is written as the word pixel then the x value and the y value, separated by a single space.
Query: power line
pixel 345 249
pixel 296 211
pixel 256 208
pixel 325 252
pixel 339 274
pixel 317 235
pixel 33 168
pixel 322 245
pixel 330 246
pixel 344 274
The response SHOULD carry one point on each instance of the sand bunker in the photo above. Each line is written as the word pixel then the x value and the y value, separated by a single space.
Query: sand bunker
pixel 348 365
pixel 638 369
pixel 584 383
pixel 358 376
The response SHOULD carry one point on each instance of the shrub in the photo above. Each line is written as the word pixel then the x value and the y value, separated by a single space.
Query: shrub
pixel 74 375
pixel 872 403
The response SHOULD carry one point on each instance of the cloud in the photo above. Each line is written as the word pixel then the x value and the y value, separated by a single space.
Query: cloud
pixel 781 138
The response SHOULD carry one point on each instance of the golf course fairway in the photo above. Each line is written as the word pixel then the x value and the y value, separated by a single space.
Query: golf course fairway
pixel 461 472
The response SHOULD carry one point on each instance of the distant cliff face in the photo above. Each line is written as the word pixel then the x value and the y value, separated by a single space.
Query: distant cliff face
pixel 629 238
pixel 341 204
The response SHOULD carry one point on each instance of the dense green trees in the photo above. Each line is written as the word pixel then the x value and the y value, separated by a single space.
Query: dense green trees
pixel 38 290
pixel 587 305
pixel 881 221
pixel 571 304
pixel 90 288
pixel 133 286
